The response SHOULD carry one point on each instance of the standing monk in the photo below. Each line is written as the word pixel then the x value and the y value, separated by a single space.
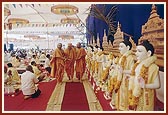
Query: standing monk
pixel 57 63
pixel 70 61
pixel 80 61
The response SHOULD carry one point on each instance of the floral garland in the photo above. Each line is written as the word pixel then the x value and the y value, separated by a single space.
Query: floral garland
pixel 100 53
pixel 105 74
pixel 143 73
pixel 133 68
pixel 113 82
pixel 122 64
pixel 133 101
pixel 130 96
pixel 123 61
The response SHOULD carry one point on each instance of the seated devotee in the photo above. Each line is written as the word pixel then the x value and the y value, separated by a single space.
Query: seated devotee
pixel 13 76
pixel 28 81
pixel 38 73
pixel 80 61
pixel 35 58
pixel 26 60
pixel 144 79
pixel 126 61
pixel 47 64
pixel 70 61
pixel 42 56
pixel 17 62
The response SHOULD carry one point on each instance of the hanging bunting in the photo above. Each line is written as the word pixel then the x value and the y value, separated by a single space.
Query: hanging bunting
pixel 14 5
pixel 20 5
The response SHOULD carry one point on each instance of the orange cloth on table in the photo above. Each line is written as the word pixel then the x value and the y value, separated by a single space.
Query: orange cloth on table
pixel 57 64
pixel 80 62
pixel 70 55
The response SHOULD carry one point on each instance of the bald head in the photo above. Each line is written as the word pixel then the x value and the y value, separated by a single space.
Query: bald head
pixel 59 46
pixel 78 45
pixel 69 45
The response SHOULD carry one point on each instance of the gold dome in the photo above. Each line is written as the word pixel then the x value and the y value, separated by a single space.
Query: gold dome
pixel 18 21
pixel 70 21
pixel 64 9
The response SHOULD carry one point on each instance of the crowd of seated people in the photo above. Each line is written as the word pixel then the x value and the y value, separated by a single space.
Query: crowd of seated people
pixel 15 64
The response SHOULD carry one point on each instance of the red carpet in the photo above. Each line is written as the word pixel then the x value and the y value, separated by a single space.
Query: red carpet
pixel 17 103
pixel 104 103
pixel 74 98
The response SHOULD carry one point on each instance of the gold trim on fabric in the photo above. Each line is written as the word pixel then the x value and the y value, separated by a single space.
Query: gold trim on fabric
pixel 94 104
pixel 55 101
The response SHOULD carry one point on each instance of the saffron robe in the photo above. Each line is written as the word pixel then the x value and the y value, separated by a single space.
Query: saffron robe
pixel 80 62
pixel 57 64
pixel 70 55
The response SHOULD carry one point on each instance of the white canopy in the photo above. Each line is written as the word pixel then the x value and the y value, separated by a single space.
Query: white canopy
pixel 41 19
pixel 43 22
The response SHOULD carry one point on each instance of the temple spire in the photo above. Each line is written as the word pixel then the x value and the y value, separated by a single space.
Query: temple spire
pixel 105 33
pixel 153 13
pixel 98 40
pixel 118 27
